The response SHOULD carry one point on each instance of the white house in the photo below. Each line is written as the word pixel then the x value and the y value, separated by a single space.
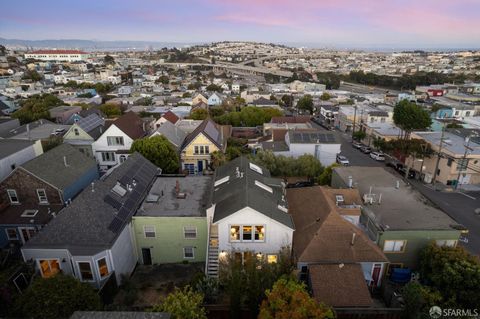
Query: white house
pixel 249 215
pixel 14 153
pixel 92 238
pixel 113 146
pixel 236 88
pixel 215 99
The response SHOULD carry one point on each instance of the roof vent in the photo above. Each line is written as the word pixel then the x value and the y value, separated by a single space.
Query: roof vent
pixel 221 181
pixel 255 168
pixel 264 187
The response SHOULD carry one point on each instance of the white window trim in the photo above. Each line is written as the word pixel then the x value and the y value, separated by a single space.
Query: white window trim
pixel 10 197
pixel 192 227
pixel 80 272
pixel 154 231
pixel 38 195
pixel 16 231
pixel 241 240
pixel 455 242
pixel 26 228
pixel 193 253
pixel 97 267
pixel 394 244
pixel 40 268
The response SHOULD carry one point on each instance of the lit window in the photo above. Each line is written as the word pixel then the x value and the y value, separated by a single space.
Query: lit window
pixel 190 232
pixel 188 252
pixel 102 267
pixel 394 246
pixel 247 233
pixel 234 233
pixel 12 194
pixel 42 196
pixel 259 233
pixel 272 259
pixel 446 243
pixel 149 231
pixel 11 233
pixel 48 268
pixel 85 271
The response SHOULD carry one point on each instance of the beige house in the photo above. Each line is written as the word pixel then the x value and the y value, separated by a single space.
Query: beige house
pixel 199 98
pixel 373 131
pixel 455 166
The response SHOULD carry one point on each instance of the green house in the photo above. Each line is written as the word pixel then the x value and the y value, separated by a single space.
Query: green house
pixel 171 225
pixel 396 216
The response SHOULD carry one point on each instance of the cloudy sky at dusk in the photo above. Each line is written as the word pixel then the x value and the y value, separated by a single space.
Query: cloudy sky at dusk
pixel 359 23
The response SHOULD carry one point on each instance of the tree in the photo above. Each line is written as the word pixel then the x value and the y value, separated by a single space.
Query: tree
pixel 199 114
pixel 326 177
pixel 249 116
pixel 418 300
pixel 159 151
pixel 214 87
pixel 306 103
pixel 3 50
pixel 325 96
pixel 218 159
pixel 183 304
pixel 36 107
pixel 359 135
pixel 110 110
pixel 305 165
pixel 409 117
pixel 51 142
pixel 32 75
pixel 108 59
pixel 289 299
pixel 454 273
pixel 287 100
pixel 57 297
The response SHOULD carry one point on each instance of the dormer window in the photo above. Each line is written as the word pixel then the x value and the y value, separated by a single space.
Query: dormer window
pixel 255 168
pixel 339 199
pixel 12 194
pixel 29 213
pixel 222 180
pixel 264 187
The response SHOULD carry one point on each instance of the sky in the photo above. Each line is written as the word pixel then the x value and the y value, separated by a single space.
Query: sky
pixel 323 23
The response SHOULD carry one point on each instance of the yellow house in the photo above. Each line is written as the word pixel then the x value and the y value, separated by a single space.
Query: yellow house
pixel 199 98
pixel 196 150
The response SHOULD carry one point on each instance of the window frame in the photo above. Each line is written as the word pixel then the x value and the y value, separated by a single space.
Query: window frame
pixel 39 197
pixel 272 255
pixel 393 251
pixel 16 233
pixel 49 265
pixel 455 242
pixel 252 233
pixel 98 267
pixel 10 196
pixel 80 270
pixel 185 228
pixel 193 252
pixel 108 160
pixel 117 141
pixel 145 231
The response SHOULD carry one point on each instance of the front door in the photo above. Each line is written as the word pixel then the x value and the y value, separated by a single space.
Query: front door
pixel 200 165
pixel 376 275
pixel 147 256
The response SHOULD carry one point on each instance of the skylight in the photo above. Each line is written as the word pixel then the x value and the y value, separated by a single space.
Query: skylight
pixel 119 190
pixel 255 168
pixel 30 213
pixel 221 181
pixel 263 186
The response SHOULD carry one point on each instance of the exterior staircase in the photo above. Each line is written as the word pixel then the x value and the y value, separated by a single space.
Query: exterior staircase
pixel 212 264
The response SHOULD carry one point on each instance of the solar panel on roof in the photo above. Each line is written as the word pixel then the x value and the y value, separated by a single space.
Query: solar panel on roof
pixel 123 214
pixel 90 122
pixel 116 225
pixel 112 202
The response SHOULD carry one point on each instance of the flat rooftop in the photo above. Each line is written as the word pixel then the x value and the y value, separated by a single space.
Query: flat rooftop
pixel 163 200
pixel 402 208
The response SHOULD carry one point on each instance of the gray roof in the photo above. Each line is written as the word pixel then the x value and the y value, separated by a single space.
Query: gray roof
pixel 402 208
pixel 84 227
pixel 454 143
pixel 10 146
pixel 174 134
pixel 50 166
pixel 40 129
pixel 240 192
pixel 313 137
pixel 279 146
pixel 162 199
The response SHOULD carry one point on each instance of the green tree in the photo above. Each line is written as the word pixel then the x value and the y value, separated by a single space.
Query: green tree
pixel 283 166
pixel 110 110
pixel 57 297
pixel 287 100
pixel 289 299
pixel 36 107
pixel 325 96
pixel 359 135
pixel 199 114
pixel 214 87
pixel 218 159
pixel 108 59
pixel 306 103
pixel 32 75
pixel 454 273
pixel 409 116
pixel 183 304
pixel 159 151
pixel 325 178
pixel 51 142
pixel 418 300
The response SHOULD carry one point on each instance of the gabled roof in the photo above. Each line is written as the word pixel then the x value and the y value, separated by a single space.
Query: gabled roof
pixel 211 130
pixel 50 166
pixel 249 187
pixel 12 146
pixel 322 235
pixel 84 227
pixel 130 124
pixel 175 135
pixel 171 117
pixel 91 122
pixel 264 101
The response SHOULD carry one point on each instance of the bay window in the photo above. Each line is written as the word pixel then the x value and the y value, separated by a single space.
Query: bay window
pixel 247 233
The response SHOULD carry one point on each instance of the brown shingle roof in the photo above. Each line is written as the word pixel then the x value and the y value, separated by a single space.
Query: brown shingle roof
pixel 340 286
pixel 322 235
pixel 130 124
pixel 171 117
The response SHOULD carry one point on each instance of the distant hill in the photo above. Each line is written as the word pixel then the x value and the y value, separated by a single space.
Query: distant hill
pixel 91 45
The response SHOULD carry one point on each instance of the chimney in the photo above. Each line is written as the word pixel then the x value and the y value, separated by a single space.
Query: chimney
pixel 350 182
pixel 353 239
pixel 65 161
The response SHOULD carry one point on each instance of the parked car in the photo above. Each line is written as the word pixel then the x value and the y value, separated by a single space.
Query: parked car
pixel 343 160
pixel 377 156
pixel 366 149
pixel 357 145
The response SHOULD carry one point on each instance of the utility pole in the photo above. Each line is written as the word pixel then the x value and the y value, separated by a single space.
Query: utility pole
pixel 438 156
pixel 354 119
pixel 464 158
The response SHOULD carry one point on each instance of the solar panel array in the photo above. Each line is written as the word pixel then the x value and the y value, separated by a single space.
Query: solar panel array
pixel 212 131
pixel 90 122
pixel 139 177
pixel 313 137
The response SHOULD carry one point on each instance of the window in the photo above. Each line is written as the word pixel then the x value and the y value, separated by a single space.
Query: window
pixel 263 186
pixel 234 233
pixel 188 253
pixel 207 149
pixel 77 133
pixel 221 181
pixel 259 233
pixel 190 232
pixel 27 233
pixel 449 162
pixel 446 243
pixel 49 267
pixel 108 156
pixel 102 267
pixel 12 194
pixel 394 246
pixel 202 150
pixel 247 233
pixel 29 213
pixel 196 150
pixel 462 164
pixel 190 168
pixel 255 168
pixel 42 196
pixel 11 233
pixel 272 259
pixel 114 140
pixel 85 270
pixel 149 231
